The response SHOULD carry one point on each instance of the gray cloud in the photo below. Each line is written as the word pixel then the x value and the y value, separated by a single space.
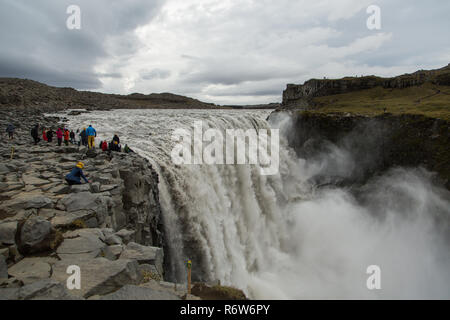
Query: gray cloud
pixel 36 43
pixel 226 52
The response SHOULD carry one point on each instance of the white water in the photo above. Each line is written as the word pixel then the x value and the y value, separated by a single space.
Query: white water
pixel 280 237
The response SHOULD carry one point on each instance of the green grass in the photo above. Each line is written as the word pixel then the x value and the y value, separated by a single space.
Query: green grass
pixel 429 100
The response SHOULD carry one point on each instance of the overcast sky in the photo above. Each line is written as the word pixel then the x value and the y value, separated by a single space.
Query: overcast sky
pixel 221 51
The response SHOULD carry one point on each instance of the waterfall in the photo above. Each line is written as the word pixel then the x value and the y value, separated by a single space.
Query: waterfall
pixel 281 236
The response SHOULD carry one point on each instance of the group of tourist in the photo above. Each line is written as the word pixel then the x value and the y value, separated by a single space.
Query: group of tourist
pixel 85 137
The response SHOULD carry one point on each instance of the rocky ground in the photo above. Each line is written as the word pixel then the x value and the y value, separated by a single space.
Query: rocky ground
pixel 110 228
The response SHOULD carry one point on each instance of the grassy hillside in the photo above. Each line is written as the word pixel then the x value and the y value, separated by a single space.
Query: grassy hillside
pixel 428 99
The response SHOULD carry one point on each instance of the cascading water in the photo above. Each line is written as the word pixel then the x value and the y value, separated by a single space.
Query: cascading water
pixel 280 236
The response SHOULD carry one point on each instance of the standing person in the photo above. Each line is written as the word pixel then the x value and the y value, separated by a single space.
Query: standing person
pixel 91 134
pixel 72 137
pixel 74 177
pixel 44 135
pixel 77 137
pixel 35 134
pixel 59 135
pixel 83 137
pixel 10 129
pixel 50 135
pixel 66 137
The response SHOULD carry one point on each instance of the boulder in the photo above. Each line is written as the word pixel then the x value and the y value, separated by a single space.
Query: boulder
pixel 144 255
pixel 30 270
pixel 8 232
pixel 99 276
pixel 132 292
pixel 34 231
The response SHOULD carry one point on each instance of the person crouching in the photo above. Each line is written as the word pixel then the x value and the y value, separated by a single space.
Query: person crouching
pixel 74 177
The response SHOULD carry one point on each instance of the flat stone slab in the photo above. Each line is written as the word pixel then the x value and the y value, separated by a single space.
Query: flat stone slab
pixel 46 289
pixel 63 218
pixel 29 201
pixel 85 245
pixel 35 181
pixel 99 276
pixel 30 270
pixel 132 292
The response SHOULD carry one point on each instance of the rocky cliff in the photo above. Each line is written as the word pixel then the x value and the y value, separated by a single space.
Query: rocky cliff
pixel 110 228
pixel 32 94
pixel 302 96
pixel 373 144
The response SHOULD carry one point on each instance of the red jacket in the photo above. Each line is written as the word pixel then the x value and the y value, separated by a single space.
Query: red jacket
pixel 66 135
pixel 59 134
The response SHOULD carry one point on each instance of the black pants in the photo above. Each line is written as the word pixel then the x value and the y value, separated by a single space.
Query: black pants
pixel 59 141
pixel 72 182
pixel 36 140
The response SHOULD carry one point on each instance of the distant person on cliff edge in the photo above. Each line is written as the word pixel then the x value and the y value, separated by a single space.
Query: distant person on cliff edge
pixel 66 137
pixel 10 129
pixel 44 135
pixel 59 135
pixel 35 134
pixel 74 177
pixel 50 135
pixel 83 137
pixel 91 134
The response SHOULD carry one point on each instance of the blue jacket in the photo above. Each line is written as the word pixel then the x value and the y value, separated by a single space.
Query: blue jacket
pixel 76 174
pixel 91 131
